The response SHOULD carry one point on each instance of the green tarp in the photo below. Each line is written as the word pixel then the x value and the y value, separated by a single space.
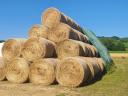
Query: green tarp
pixel 100 47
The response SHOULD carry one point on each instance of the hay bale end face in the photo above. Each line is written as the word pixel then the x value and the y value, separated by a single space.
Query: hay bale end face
pixel 42 71
pixel 52 17
pixel 12 48
pixel 35 48
pixel 38 31
pixel 17 71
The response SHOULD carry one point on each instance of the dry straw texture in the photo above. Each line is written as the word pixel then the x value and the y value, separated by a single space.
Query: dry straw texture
pixel 35 48
pixel 71 47
pixel 52 17
pixel 94 62
pixel 101 64
pixel 17 70
pixel 63 32
pixel 2 69
pixel 72 72
pixel 76 71
pixel 42 71
pixel 12 48
pixel 38 31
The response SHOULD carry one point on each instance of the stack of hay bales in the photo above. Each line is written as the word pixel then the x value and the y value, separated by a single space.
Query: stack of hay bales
pixel 56 51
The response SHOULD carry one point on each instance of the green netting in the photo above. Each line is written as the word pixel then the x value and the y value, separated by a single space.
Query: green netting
pixel 100 47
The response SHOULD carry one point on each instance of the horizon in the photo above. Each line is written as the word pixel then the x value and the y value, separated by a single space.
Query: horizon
pixel 105 18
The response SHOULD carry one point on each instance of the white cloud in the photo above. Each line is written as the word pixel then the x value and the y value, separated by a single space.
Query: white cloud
pixel 1 45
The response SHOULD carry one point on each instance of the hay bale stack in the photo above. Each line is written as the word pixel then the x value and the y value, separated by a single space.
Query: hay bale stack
pixel 52 17
pixel 38 31
pixel 42 71
pixel 35 48
pixel 2 69
pixel 76 71
pixel 71 47
pixel 17 70
pixel 36 59
pixel 63 32
pixel 12 48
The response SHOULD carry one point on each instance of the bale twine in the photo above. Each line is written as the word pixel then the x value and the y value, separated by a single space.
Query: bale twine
pixel 38 31
pixel 69 48
pixel 17 70
pixel 42 71
pixel 52 17
pixel 35 48
pixel 2 69
pixel 12 48
pixel 73 72
pixel 63 32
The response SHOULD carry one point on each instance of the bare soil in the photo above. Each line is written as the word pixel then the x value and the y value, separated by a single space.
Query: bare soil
pixel 29 89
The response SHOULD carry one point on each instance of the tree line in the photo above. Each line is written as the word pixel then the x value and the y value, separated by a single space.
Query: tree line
pixel 115 43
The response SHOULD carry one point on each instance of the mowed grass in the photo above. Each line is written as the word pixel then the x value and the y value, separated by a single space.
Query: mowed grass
pixel 114 84
pixel 118 51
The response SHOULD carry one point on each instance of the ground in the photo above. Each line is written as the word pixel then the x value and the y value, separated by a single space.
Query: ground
pixel 114 84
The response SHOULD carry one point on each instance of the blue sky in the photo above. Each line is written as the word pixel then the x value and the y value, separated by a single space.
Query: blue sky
pixel 104 17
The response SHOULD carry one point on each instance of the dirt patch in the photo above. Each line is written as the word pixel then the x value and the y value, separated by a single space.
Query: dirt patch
pixel 29 89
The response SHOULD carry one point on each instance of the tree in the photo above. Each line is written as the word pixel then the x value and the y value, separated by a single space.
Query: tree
pixel 113 44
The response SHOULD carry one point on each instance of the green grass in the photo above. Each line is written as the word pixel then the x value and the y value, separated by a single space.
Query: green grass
pixel 118 51
pixel 126 44
pixel 114 84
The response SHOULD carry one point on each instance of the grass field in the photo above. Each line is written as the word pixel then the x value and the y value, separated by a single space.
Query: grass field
pixel 114 84
pixel 118 51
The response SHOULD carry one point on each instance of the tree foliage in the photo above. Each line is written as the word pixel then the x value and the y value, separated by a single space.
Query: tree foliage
pixel 114 43
pixel 2 41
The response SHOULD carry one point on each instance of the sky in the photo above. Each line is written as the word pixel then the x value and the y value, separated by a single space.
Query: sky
pixel 103 17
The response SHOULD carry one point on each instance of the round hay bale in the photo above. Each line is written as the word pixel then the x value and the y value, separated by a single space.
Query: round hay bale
pixel 73 72
pixel 101 64
pixel 35 48
pixel 2 69
pixel 63 32
pixel 42 71
pixel 69 48
pixel 52 17
pixel 12 48
pixel 17 70
pixel 38 31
